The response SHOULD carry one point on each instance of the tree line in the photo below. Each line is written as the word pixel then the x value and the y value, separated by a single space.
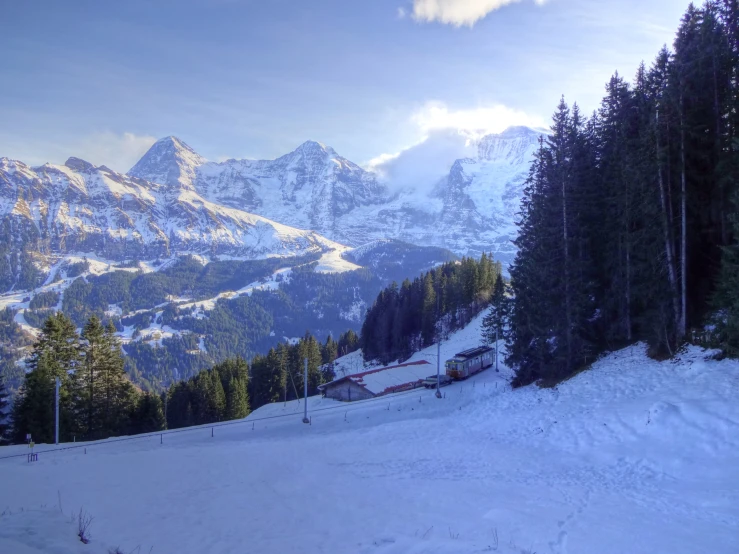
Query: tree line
pixel 628 222
pixel 98 400
pixel 405 319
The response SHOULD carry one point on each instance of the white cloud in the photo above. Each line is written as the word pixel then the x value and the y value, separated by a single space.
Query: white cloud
pixel 474 121
pixel 402 13
pixel 117 151
pixel 445 135
pixel 422 165
pixel 458 12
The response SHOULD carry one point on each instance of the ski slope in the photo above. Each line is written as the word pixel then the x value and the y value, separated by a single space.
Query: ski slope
pixel 633 456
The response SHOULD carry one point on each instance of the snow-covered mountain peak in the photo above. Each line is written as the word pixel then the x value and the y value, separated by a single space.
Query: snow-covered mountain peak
pixel 512 146
pixel 312 147
pixel 312 155
pixel 169 161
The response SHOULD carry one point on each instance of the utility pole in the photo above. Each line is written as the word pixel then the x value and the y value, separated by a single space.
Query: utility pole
pixel 438 368
pixel 305 392
pixel 166 422
pixel 496 348
pixel 57 384
pixel 438 345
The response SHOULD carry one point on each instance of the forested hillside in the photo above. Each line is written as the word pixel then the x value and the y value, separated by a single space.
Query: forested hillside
pixel 178 316
pixel 628 228
pixel 410 317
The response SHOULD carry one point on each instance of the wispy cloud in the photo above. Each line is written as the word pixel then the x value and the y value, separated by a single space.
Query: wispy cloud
pixel 475 121
pixel 458 12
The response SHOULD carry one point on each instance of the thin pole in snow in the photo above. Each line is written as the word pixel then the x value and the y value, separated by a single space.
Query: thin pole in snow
pixel 305 392
pixel 496 348
pixel 438 368
pixel 438 346
pixel 57 384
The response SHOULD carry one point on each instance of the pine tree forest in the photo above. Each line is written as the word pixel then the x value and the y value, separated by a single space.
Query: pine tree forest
pixel 406 319
pixel 97 399
pixel 628 228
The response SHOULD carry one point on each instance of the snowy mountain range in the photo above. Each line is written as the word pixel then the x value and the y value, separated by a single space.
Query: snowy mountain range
pixel 77 207
pixel 470 210
pixel 311 200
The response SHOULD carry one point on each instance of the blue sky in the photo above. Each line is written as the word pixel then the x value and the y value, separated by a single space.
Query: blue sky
pixel 101 79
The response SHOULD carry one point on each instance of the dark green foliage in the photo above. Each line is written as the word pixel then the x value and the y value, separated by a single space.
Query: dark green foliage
pixel 552 276
pixel 36 318
pixel 156 367
pixel 269 377
pixel 495 321
pixel 216 394
pixel 14 344
pixel 348 343
pixel 97 400
pixel 329 353
pixel 406 319
pixel 4 411
pixel 148 415
pixel 106 397
pixel 77 269
pixel 625 217
pixel 55 354
pixel 47 299
pixel 726 300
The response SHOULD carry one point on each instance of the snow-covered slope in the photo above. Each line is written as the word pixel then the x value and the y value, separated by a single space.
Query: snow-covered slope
pixel 470 210
pixel 77 207
pixel 631 456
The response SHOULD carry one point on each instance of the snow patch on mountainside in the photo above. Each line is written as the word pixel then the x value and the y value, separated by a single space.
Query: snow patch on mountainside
pixel 333 261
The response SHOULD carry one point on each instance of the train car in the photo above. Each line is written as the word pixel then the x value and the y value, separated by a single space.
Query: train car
pixel 468 362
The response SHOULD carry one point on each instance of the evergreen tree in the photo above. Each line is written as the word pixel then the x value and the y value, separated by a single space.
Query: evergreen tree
pixel 625 217
pixel 237 405
pixel 348 343
pixel 4 411
pixel 405 319
pixel 109 398
pixel 495 321
pixel 56 354
pixel 148 415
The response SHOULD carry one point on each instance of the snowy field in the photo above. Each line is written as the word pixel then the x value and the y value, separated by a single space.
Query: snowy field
pixel 632 456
